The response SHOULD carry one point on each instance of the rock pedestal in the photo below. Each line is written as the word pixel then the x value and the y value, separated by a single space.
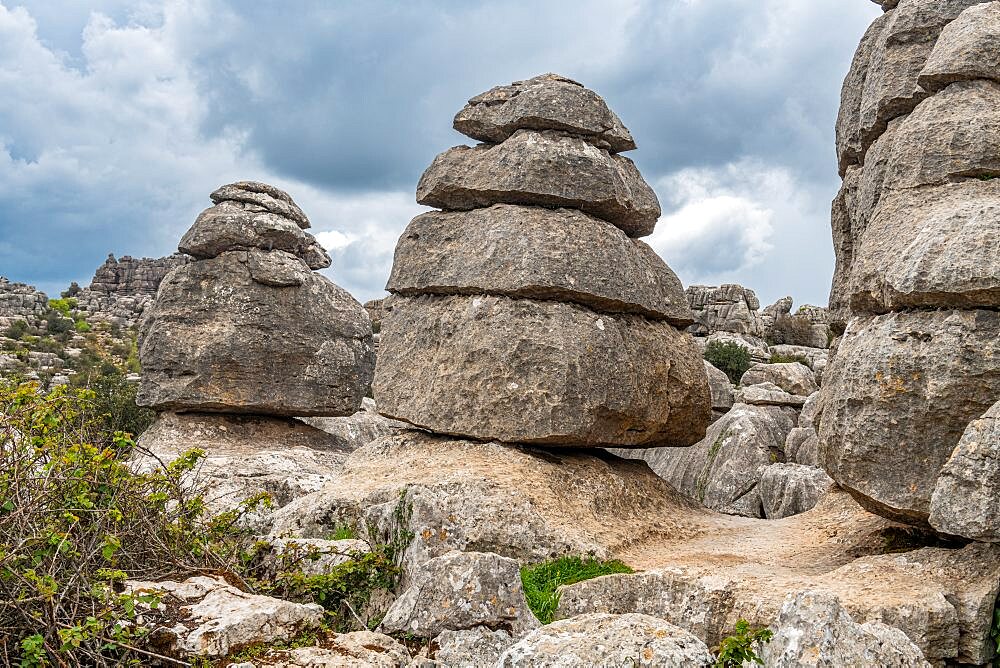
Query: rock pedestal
pixel 244 338
pixel 917 233
pixel 527 311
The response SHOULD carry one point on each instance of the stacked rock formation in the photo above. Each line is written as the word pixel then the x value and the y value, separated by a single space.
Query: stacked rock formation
pixel 916 228
pixel 527 310
pixel 122 288
pixel 19 301
pixel 248 332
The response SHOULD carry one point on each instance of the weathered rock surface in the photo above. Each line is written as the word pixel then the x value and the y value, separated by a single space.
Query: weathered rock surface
pixel 964 502
pixel 802 446
pixel 544 169
pixel 968 48
pixel 897 397
pixel 792 377
pixel 727 308
pixel 789 489
pixel 604 639
pixel 756 346
pixel 814 629
pixel 471 648
pixel 20 301
pixel 240 226
pixel 518 502
pixel 937 246
pixel 591 380
pixel 953 134
pixel 359 649
pixel 313 556
pixel 263 195
pixel 720 389
pixel 359 429
pixel 221 325
pixel 462 590
pixel 723 469
pixel 768 394
pixel 850 149
pixel 212 619
pixel 897 57
pixel 546 102
pixel 942 599
pixel 130 276
pixel 814 357
pixel 247 455
pixel 842 222
pixel 536 253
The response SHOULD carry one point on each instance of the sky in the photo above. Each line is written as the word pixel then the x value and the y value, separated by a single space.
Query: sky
pixel 118 118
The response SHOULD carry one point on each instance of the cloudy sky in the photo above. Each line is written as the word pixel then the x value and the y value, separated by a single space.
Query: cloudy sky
pixel 117 118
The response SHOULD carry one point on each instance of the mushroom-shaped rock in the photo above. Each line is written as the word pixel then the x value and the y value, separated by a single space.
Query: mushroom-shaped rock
pixel 546 102
pixel 263 195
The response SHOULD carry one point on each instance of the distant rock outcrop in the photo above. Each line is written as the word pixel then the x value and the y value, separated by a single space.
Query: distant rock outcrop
pixel 916 230
pixel 122 288
pixel 19 301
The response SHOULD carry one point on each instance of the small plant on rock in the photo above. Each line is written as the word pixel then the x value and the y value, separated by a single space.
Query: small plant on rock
pixel 741 647
pixel 778 358
pixel 729 357
pixel 542 581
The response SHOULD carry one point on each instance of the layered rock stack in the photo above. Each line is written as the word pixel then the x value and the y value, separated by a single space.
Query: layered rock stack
pixel 526 309
pixel 248 335
pixel 122 288
pixel 19 301
pixel 916 228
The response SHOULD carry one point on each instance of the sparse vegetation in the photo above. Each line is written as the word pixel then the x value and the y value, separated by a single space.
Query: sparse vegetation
pixel 541 581
pixel 729 357
pixel 741 647
pixel 778 358
pixel 794 330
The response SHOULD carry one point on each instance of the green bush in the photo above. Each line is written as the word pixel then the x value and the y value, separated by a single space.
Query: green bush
pixel 729 357
pixel 740 648
pixel 63 306
pixel 76 520
pixel 778 358
pixel 542 580
pixel 17 329
pixel 82 326
pixel 113 404
pixel 57 323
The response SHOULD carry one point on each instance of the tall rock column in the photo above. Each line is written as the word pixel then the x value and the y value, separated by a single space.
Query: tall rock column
pixel 917 232
pixel 526 310
pixel 247 336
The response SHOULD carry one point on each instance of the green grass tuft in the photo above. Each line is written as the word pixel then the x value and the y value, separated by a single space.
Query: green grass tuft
pixel 542 580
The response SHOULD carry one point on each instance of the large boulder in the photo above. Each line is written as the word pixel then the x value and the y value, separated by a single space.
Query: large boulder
pixel 789 489
pixel 462 590
pixel 607 640
pixel 211 619
pixel 792 377
pixel 723 469
pixel 359 429
pixel 358 649
pixel 814 629
pixel 262 195
pixel 897 397
pixel 727 308
pixel 221 325
pixel 522 503
pixel 546 169
pixel 802 446
pixel 721 390
pixel 850 150
pixel 540 372
pixel 536 253
pixel 968 48
pixel 472 648
pixel 936 246
pixel 964 502
pixel 546 102
pixel 768 394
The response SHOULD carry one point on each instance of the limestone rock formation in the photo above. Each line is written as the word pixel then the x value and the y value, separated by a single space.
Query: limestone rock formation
pixel 546 102
pixel 19 301
pixel 814 629
pixel 727 308
pixel 916 230
pixel 215 619
pixel 472 648
pixel 547 168
pixel 897 397
pixel 964 502
pixel 462 591
pixel 541 372
pixel 721 390
pixel 792 377
pixel 768 394
pixel 603 639
pixel 789 489
pixel 134 276
pixel 563 331
pixel 358 649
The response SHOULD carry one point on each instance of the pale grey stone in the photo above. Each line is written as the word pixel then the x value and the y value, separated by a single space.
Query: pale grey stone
pixel 546 102
pixel 968 48
pixel 544 169
pixel 536 253
pixel 792 377
pixel 789 489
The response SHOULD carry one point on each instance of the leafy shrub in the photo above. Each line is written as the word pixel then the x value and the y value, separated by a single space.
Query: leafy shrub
pixel 76 520
pixel 778 358
pixel 739 648
pixel 57 323
pixel 63 306
pixel 729 357
pixel 995 631
pixel 82 326
pixel 542 580
pixel 113 404
pixel 17 329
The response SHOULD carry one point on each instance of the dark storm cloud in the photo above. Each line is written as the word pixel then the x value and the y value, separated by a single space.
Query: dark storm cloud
pixel 115 125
